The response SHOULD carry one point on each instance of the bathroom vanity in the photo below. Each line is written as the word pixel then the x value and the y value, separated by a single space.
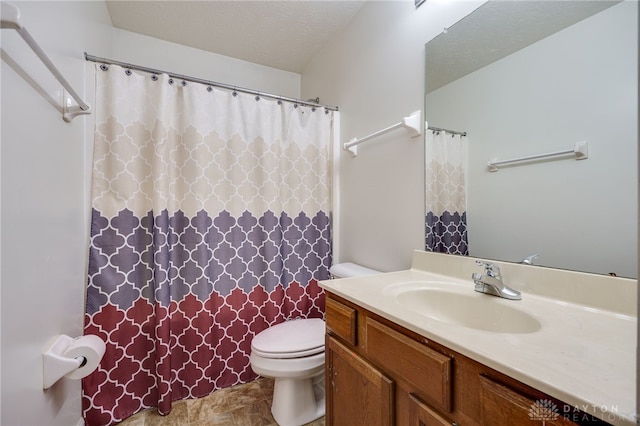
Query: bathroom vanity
pixel 421 347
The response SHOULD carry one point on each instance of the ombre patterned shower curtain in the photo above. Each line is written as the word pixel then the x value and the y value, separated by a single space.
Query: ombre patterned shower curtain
pixel 210 222
pixel 446 205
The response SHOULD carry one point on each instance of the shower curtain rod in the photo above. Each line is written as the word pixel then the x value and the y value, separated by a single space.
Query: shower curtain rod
pixel 453 132
pixel 208 82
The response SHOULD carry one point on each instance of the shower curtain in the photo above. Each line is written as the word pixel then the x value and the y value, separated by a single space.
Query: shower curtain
pixel 210 222
pixel 446 209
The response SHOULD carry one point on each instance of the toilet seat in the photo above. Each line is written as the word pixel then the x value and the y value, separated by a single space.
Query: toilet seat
pixel 290 339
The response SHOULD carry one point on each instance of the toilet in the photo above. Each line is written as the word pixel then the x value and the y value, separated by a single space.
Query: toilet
pixel 292 353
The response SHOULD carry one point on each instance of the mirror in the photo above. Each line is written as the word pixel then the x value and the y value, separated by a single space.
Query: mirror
pixel 524 78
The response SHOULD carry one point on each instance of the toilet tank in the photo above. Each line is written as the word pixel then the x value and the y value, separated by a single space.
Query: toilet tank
pixel 348 269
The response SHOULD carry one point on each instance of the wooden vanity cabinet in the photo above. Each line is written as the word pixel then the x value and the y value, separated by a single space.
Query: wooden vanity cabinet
pixel 379 373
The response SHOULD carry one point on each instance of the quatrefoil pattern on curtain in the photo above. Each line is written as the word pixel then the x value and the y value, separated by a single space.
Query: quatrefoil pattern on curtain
pixel 210 222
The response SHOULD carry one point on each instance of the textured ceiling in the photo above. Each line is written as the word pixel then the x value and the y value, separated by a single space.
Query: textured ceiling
pixel 497 29
pixel 279 34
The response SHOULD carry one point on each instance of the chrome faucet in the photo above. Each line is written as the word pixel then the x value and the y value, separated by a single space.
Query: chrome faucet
pixel 491 282
pixel 529 259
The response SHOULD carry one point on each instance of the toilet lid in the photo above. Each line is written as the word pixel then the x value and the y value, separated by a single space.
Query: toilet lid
pixel 294 338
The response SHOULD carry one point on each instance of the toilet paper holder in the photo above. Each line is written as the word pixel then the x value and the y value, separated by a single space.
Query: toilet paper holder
pixel 58 363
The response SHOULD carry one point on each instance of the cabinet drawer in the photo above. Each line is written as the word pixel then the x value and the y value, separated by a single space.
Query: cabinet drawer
pixel 427 371
pixel 342 321
pixel 503 405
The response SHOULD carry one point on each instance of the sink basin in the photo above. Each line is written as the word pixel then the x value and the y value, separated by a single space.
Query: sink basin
pixel 471 310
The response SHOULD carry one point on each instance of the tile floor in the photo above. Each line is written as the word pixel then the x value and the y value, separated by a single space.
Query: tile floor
pixel 242 405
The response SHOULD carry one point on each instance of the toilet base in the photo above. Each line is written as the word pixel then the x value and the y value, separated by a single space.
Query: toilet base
pixel 298 401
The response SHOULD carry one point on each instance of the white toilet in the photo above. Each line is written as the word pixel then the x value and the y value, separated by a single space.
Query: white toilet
pixel 292 353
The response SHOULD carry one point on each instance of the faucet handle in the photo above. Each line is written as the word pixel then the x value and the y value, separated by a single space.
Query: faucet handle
pixel 490 269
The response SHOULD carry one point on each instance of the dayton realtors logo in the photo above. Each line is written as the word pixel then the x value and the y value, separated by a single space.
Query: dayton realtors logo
pixel 544 410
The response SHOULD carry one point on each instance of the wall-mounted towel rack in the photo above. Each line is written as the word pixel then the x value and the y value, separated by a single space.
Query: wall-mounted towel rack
pixel 413 123
pixel 10 17
pixel 580 151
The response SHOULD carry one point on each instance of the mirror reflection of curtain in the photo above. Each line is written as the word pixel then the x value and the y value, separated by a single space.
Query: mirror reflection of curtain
pixel 210 223
pixel 446 206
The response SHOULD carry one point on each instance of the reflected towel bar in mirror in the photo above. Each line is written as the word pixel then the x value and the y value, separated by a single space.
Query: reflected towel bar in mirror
pixel 580 150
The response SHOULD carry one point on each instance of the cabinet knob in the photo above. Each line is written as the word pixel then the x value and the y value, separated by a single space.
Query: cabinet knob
pixel 454 424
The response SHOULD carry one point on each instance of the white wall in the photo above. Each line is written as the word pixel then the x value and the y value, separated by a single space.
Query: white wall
pixel 579 84
pixel 374 71
pixel 144 50
pixel 45 171
pixel 44 226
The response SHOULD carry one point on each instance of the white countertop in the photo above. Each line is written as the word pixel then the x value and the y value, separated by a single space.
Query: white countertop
pixel 584 355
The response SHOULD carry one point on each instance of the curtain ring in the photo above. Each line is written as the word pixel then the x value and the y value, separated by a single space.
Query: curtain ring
pixel 257 98
pixel 170 81
pixel 209 89
pixel 234 93
pixel 128 71
pixel 154 77
pixel 184 83
pixel 104 67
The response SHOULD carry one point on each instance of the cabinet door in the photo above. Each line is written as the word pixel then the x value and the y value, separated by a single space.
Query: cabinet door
pixel 502 405
pixel 357 393
pixel 420 414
